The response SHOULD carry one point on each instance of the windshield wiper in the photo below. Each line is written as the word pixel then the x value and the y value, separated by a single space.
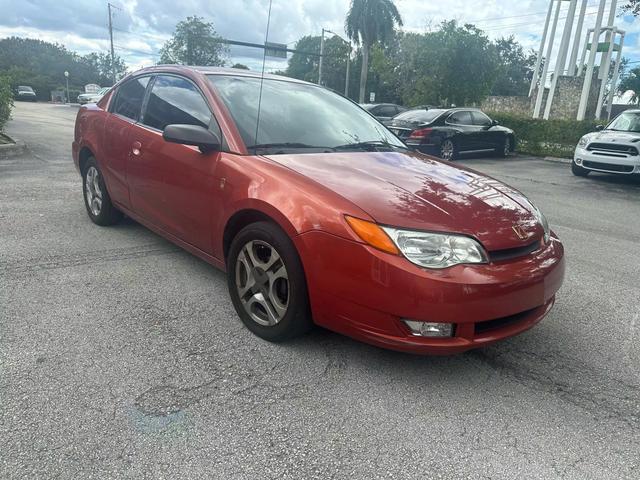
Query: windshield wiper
pixel 370 146
pixel 286 145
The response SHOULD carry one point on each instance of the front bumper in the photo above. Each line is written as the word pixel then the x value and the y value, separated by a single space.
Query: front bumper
pixel 364 293
pixel 607 162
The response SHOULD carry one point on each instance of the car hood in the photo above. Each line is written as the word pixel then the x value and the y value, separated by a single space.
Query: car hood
pixel 412 191
pixel 614 137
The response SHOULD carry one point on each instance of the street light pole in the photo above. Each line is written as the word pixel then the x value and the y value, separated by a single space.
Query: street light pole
pixel 66 76
pixel 346 80
pixel 321 58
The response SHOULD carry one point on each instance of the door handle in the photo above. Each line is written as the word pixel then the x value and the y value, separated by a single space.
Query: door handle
pixel 135 148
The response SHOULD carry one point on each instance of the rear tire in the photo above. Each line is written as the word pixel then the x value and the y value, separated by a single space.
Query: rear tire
pixel 578 171
pixel 448 150
pixel 96 198
pixel 267 283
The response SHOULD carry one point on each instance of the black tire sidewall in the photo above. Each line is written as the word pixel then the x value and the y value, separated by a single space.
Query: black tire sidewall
pixel 454 153
pixel 577 170
pixel 108 213
pixel 297 320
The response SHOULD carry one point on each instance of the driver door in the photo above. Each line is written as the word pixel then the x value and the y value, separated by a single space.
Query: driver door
pixel 172 185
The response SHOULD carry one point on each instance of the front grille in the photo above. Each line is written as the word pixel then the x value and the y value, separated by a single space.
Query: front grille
pixel 608 167
pixel 510 253
pixel 605 148
pixel 489 325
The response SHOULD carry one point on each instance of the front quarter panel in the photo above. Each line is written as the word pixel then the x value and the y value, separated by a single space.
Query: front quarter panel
pixel 295 202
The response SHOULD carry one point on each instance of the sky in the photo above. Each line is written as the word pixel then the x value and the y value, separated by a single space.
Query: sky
pixel 142 26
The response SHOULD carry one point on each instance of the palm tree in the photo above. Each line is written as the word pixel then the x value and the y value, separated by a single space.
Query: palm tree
pixel 368 22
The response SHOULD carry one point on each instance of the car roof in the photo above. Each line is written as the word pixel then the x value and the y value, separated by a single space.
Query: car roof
pixel 237 72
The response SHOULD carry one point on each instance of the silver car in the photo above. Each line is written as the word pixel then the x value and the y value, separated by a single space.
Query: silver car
pixel 611 149
pixel 85 98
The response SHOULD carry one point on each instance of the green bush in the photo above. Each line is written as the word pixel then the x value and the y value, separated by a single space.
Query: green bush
pixel 556 138
pixel 6 102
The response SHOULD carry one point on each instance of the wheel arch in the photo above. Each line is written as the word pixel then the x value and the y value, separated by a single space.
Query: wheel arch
pixel 83 157
pixel 250 214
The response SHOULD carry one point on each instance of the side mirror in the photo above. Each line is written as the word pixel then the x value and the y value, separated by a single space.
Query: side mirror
pixel 599 127
pixel 495 123
pixel 204 139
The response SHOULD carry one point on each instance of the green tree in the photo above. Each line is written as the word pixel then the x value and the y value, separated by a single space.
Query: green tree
pixel 369 22
pixel 304 63
pixel 631 81
pixel 632 7
pixel 102 65
pixel 515 69
pixel 452 65
pixel 27 61
pixel 194 42
pixel 6 101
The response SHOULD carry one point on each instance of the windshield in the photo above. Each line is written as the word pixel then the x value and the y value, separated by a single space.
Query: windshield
pixel 297 113
pixel 626 122
pixel 25 89
pixel 425 116
pixel 103 90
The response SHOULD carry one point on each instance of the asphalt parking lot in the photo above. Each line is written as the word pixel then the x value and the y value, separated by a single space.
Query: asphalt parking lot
pixel 121 355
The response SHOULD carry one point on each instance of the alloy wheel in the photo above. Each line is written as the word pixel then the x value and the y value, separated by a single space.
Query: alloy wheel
pixel 262 283
pixel 93 191
pixel 446 150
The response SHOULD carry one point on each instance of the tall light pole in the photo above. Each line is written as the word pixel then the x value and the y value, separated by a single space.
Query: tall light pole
pixel 66 76
pixel 588 77
pixel 562 57
pixel 321 58
pixel 545 70
pixel 576 40
pixel 536 71
pixel 113 56
pixel 616 73
pixel 346 81
pixel 603 70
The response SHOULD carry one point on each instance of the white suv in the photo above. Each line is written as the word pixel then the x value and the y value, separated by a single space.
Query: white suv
pixel 612 149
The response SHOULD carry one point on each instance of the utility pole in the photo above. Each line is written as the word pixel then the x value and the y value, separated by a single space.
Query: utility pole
pixel 321 58
pixel 346 81
pixel 113 56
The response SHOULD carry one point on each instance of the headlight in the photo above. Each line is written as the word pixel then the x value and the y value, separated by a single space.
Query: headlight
pixel 543 221
pixel 436 250
pixel 583 141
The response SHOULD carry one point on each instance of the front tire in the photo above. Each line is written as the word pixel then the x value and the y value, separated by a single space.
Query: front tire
pixel 267 283
pixel 578 171
pixel 504 150
pixel 96 198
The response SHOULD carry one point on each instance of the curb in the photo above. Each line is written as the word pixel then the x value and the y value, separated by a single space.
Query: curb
pixel 566 161
pixel 13 149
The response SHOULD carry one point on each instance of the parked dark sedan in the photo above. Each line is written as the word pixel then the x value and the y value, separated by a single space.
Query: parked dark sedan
pixel 449 133
pixel 25 92
pixel 384 112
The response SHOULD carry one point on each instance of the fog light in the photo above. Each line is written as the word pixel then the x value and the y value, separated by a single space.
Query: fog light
pixel 428 329
pixel 578 161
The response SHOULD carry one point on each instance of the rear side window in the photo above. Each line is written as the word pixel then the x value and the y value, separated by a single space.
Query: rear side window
pixel 129 99
pixel 481 119
pixel 461 118
pixel 175 100
pixel 387 111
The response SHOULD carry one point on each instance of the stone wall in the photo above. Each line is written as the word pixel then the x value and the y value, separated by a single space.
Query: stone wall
pixel 520 106
pixel 565 101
